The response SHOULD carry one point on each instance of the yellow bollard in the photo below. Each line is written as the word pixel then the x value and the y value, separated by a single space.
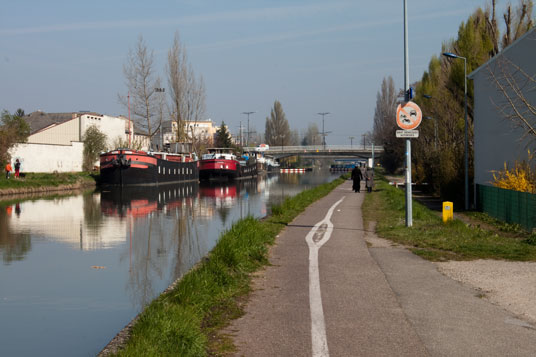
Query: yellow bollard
pixel 448 211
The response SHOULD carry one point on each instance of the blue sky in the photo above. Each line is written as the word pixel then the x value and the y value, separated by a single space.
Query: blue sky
pixel 312 56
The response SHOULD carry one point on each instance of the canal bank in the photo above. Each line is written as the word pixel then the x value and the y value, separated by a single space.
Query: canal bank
pixel 188 317
pixel 42 183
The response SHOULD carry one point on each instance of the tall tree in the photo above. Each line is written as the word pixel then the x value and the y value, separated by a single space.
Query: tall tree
pixel 14 129
pixel 223 137
pixel 385 126
pixel 142 83
pixel 312 135
pixel 187 92
pixel 277 131
pixel 517 20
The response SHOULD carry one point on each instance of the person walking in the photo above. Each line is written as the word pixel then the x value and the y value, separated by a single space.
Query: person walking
pixel 17 168
pixel 8 170
pixel 357 176
pixel 369 177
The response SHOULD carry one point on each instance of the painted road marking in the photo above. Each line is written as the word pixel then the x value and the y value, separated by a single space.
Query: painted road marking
pixel 316 238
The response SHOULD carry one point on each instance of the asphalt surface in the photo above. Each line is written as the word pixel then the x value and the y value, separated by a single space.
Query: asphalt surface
pixel 376 299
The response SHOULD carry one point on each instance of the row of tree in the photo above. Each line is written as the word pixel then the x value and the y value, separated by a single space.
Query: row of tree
pixel 438 153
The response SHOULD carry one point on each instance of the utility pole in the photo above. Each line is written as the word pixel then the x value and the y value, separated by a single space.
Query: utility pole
pixel 351 141
pixel 240 134
pixel 409 206
pixel 323 132
pixel 247 140
pixel 364 140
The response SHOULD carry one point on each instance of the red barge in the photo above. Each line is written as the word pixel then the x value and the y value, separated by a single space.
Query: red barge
pixel 222 164
pixel 136 167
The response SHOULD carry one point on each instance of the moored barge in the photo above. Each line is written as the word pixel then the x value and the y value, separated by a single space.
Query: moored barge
pixel 222 164
pixel 136 167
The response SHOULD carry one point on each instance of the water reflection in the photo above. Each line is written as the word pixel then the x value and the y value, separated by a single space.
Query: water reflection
pixel 77 269
pixel 160 232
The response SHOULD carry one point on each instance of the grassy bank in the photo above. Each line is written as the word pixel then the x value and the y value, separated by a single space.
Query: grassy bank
pixel 430 238
pixel 185 321
pixel 41 180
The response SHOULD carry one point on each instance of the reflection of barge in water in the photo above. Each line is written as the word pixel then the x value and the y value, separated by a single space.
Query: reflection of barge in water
pixel 141 201
pixel 232 189
pixel 134 167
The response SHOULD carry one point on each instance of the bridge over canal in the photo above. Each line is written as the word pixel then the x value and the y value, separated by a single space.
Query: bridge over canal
pixel 323 152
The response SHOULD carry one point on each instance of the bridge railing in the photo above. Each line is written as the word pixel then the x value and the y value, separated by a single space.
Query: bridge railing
pixel 321 148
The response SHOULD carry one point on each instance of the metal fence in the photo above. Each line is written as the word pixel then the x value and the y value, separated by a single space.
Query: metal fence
pixel 507 205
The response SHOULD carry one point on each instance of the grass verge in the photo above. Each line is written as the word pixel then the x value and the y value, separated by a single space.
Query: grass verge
pixel 186 320
pixel 431 239
pixel 33 180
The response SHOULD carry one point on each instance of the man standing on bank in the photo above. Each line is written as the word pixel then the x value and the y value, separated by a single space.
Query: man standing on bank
pixel 357 176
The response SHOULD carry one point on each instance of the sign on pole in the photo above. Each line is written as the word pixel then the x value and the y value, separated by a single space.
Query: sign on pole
pixel 407 134
pixel 408 116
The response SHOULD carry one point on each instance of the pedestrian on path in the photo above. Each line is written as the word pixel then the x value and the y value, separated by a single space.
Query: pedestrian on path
pixel 357 176
pixel 369 177
pixel 8 170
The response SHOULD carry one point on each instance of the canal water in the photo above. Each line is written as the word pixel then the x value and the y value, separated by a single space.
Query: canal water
pixel 76 269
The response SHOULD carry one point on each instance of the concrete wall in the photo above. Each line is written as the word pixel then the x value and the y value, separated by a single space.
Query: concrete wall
pixel 48 158
pixel 113 127
pixel 61 134
pixel 496 139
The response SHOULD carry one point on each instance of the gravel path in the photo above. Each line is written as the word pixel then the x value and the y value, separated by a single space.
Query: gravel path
pixel 511 285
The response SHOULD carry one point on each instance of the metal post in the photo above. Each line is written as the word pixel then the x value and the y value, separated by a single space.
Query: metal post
pixel 409 206
pixel 129 122
pixel 323 131
pixel 466 139
pixel 247 137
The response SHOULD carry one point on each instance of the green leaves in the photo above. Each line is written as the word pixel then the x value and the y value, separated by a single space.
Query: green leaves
pixel 14 129
pixel 94 143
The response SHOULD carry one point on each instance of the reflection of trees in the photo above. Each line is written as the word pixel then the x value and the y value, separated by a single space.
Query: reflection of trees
pixel 14 246
pixel 92 212
pixel 156 236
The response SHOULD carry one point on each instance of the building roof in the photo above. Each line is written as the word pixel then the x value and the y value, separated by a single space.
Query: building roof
pixel 505 50
pixel 40 120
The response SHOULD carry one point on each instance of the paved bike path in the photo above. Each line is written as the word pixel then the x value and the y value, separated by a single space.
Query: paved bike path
pixel 386 303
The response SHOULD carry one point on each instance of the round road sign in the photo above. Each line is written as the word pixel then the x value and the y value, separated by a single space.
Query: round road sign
pixel 408 116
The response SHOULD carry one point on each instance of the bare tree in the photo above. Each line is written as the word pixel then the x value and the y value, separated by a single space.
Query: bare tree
pixel 385 125
pixel 514 85
pixel 141 83
pixel 312 135
pixel 517 21
pixel 186 91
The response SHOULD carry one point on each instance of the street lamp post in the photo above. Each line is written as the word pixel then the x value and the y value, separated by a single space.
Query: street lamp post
pixel 161 90
pixel 247 138
pixel 466 180
pixel 323 132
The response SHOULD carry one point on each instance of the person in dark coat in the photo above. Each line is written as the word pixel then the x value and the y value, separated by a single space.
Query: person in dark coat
pixel 369 177
pixel 17 168
pixel 357 176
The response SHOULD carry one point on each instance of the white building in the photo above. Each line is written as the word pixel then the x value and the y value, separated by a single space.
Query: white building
pixel 55 141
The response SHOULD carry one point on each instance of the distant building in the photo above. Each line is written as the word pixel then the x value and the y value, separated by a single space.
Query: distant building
pixel 496 139
pixel 55 141
pixel 202 130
